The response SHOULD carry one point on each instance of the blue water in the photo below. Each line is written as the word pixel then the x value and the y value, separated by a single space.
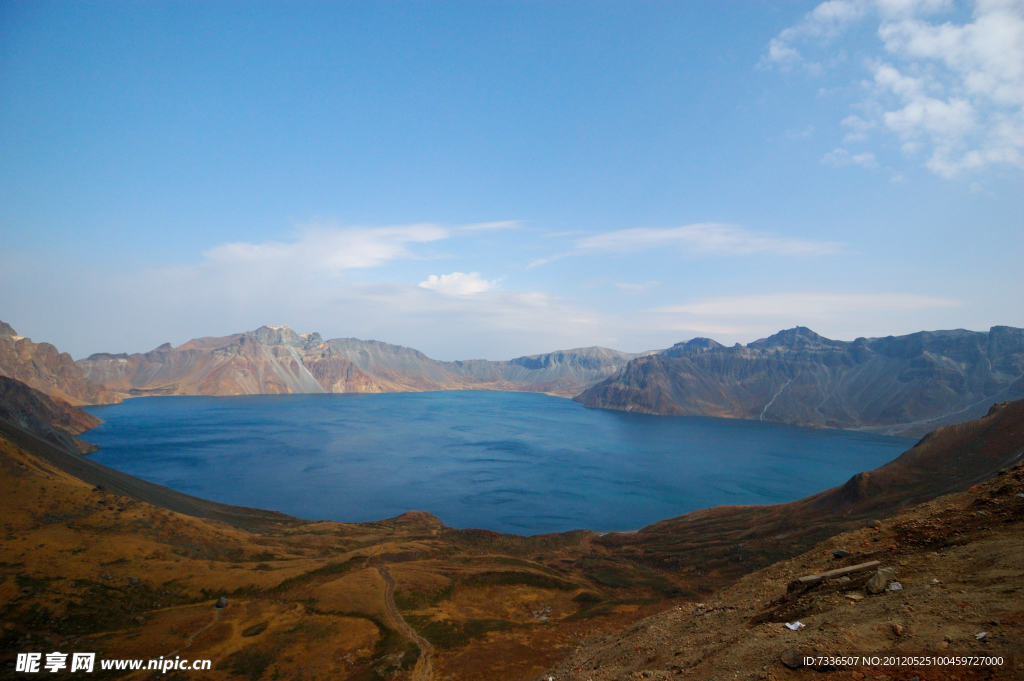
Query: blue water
pixel 513 462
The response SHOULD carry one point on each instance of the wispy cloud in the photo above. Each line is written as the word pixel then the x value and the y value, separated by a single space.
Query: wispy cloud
pixel 836 315
pixel 629 286
pixel 809 304
pixel 841 157
pixel 951 93
pixel 326 249
pixel 707 238
pixel 316 281
pixel 458 284
pixel 491 226
pixel 699 239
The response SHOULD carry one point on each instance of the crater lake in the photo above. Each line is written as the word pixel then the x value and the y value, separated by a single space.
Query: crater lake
pixel 523 463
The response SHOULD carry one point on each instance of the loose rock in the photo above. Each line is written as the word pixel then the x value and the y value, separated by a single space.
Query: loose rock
pixel 221 603
pixel 792 658
pixel 880 580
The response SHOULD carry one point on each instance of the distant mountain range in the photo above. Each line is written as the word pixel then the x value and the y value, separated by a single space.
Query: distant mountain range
pixel 276 360
pixel 905 385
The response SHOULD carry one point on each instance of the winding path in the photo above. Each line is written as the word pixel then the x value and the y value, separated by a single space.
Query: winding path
pixel 423 671
pixel 188 643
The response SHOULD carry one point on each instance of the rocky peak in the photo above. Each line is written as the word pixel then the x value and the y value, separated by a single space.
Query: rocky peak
pixel 692 346
pixel 797 338
pixel 6 330
pixel 283 335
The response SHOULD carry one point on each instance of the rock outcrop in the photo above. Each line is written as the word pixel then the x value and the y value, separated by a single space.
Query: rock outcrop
pixel 43 367
pixel 275 359
pixel 52 419
pixel 905 385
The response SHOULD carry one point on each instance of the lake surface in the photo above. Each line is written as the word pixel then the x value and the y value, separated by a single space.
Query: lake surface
pixel 513 462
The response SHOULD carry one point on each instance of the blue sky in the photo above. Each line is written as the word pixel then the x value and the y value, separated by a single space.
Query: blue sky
pixel 498 179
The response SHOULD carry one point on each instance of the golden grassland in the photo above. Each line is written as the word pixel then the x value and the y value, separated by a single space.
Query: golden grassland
pixel 84 570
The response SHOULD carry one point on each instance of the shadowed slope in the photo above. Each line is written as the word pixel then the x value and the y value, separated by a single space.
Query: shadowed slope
pixel 52 419
pixel 122 484
pixel 906 385
pixel 727 541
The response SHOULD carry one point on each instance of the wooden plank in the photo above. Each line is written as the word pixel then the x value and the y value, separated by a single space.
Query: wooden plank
pixel 839 572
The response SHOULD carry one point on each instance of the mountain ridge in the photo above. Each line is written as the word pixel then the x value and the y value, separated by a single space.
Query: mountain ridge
pixel 44 368
pixel 275 359
pixel 900 385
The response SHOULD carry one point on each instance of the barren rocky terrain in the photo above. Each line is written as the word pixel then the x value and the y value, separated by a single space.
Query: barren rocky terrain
pixel 42 367
pixel 275 360
pixel 905 385
pixel 952 585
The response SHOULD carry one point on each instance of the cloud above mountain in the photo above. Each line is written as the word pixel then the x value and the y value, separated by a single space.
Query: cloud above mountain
pixel 458 284
pixel 950 92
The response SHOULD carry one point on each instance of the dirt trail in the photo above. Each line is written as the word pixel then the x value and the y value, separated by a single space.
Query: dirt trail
pixel 188 643
pixel 423 671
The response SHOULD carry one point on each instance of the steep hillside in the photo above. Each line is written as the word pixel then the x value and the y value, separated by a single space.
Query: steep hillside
pixel 278 360
pixel 52 419
pixel 727 541
pixel 43 367
pixel 943 600
pixel 906 385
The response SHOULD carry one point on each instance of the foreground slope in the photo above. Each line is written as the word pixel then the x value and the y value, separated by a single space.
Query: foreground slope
pixel 42 367
pixel 905 385
pixel 275 359
pixel 956 590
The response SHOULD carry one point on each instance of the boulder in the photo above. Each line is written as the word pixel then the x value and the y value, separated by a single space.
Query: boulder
pixel 880 580
pixel 792 658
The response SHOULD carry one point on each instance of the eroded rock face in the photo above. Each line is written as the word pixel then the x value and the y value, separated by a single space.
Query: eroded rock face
pixel 275 359
pixel 43 367
pixel 906 385
pixel 52 419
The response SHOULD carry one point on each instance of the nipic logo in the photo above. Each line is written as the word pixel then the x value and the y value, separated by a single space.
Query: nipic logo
pixel 30 662
pixel 33 663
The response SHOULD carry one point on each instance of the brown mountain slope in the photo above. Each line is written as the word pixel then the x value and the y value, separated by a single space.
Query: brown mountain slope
pixel 958 562
pixel 41 366
pixel 275 359
pixel 726 541
pixel 52 419
pixel 906 385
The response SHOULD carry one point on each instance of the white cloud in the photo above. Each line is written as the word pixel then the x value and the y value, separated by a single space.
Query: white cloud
pixel 859 128
pixel 326 249
pixel 841 157
pixel 809 304
pixel 491 226
pixel 953 91
pixel 318 281
pixel 703 239
pixel 458 284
